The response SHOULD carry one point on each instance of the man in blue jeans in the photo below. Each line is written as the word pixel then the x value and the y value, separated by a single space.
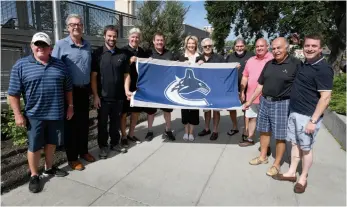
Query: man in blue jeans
pixel 43 81
pixel 309 98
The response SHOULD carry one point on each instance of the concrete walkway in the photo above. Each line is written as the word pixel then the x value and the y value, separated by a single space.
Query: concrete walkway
pixel 191 173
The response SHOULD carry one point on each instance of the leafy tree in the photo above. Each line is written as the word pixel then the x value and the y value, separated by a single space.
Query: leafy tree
pixel 252 19
pixel 166 17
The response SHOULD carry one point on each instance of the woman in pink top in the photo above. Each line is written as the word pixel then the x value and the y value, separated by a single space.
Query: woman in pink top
pixel 251 73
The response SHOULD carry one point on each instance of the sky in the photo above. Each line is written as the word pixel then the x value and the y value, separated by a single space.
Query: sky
pixel 196 15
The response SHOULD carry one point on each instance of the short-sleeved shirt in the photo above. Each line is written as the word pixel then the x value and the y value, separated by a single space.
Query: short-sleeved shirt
pixel 277 79
pixel 214 58
pixel 43 87
pixel 77 59
pixel 138 52
pixel 111 66
pixel 311 79
pixel 253 69
pixel 166 55
pixel 242 59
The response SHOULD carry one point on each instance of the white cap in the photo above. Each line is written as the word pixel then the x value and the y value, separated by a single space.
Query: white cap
pixel 41 36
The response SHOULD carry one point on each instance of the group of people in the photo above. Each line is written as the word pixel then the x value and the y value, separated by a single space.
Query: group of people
pixel 282 96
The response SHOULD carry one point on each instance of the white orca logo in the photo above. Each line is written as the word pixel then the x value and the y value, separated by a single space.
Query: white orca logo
pixel 186 85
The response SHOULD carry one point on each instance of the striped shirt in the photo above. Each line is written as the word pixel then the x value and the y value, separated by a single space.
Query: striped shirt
pixel 77 59
pixel 43 87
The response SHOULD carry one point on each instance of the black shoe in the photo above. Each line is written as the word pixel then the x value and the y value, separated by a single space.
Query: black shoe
pixel 124 143
pixel 54 171
pixel 34 184
pixel 118 148
pixel 204 132
pixel 169 135
pixel 231 132
pixel 244 138
pixel 103 153
pixel 134 139
pixel 149 136
pixel 214 136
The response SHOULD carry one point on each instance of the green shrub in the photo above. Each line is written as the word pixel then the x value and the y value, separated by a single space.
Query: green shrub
pixel 338 97
pixel 10 130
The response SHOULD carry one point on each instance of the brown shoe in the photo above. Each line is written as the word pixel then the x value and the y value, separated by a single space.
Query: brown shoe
pixel 298 188
pixel 246 143
pixel 76 165
pixel 283 178
pixel 88 157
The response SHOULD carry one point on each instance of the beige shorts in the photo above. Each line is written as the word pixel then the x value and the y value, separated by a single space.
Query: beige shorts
pixel 252 111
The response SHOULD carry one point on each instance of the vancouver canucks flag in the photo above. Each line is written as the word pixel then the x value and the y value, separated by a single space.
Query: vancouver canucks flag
pixel 172 84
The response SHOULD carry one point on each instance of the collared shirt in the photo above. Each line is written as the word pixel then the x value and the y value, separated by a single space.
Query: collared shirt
pixel 312 78
pixel 253 69
pixel 77 59
pixel 242 59
pixel 166 55
pixel 111 68
pixel 43 87
pixel 277 79
pixel 214 58
pixel 137 52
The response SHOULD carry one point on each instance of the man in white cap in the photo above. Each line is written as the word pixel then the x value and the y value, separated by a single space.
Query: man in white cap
pixel 43 81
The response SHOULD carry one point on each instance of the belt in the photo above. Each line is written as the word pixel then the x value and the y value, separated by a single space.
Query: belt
pixel 269 98
pixel 81 86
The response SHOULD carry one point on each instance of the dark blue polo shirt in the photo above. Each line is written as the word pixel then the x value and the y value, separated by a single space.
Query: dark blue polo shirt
pixel 311 78
pixel 43 87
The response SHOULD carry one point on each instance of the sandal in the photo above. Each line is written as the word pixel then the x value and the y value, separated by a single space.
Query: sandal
pixel 232 132
pixel 273 171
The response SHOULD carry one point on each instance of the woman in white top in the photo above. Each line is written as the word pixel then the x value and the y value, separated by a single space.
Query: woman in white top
pixel 190 117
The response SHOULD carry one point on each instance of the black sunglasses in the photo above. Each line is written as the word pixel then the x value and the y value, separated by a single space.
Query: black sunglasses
pixel 207 46
pixel 41 44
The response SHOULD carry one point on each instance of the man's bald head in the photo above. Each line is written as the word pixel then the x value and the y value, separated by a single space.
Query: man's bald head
pixel 280 48
pixel 261 47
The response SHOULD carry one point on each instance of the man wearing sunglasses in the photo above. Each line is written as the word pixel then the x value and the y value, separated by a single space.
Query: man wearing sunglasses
pixel 43 81
pixel 75 52
pixel 209 57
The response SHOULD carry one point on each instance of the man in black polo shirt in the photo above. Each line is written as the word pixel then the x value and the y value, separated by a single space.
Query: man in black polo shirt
pixel 241 55
pixel 209 56
pixel 160 52
pixel 309 98
pixel 275 83
pixel 133 50
pixel 110 66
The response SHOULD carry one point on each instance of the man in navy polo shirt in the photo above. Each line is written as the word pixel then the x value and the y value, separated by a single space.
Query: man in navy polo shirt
pixel 75 52
pixel 43 81
pixel 309 97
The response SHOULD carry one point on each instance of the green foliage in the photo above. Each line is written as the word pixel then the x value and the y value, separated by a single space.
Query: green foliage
pixel 253 18
pixel 10 130
pixel 338 98
pixel 166 17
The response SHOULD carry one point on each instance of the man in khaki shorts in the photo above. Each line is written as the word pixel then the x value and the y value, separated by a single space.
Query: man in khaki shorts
pixel 251 73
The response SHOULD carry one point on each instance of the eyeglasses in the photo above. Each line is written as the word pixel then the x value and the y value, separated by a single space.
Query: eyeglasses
pixel 41 44
pixel 207 46
pixel 73 25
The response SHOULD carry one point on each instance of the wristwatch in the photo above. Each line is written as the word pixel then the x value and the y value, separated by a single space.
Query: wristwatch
pixel 313 121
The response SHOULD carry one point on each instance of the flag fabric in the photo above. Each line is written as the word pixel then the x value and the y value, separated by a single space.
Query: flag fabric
pixel 180 85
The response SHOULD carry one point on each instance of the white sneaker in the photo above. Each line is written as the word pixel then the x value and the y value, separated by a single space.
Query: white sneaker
pixel 185 137
pixel 191 137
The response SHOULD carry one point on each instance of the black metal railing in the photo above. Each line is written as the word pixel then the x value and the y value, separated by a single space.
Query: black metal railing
pixel 38 15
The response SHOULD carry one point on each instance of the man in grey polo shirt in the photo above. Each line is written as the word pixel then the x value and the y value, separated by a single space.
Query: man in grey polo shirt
pixel 75 52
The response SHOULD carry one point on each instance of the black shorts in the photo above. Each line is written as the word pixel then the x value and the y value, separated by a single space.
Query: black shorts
pixel 167 110
pixel 190 116
pixel 149 111
pixel 127 108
